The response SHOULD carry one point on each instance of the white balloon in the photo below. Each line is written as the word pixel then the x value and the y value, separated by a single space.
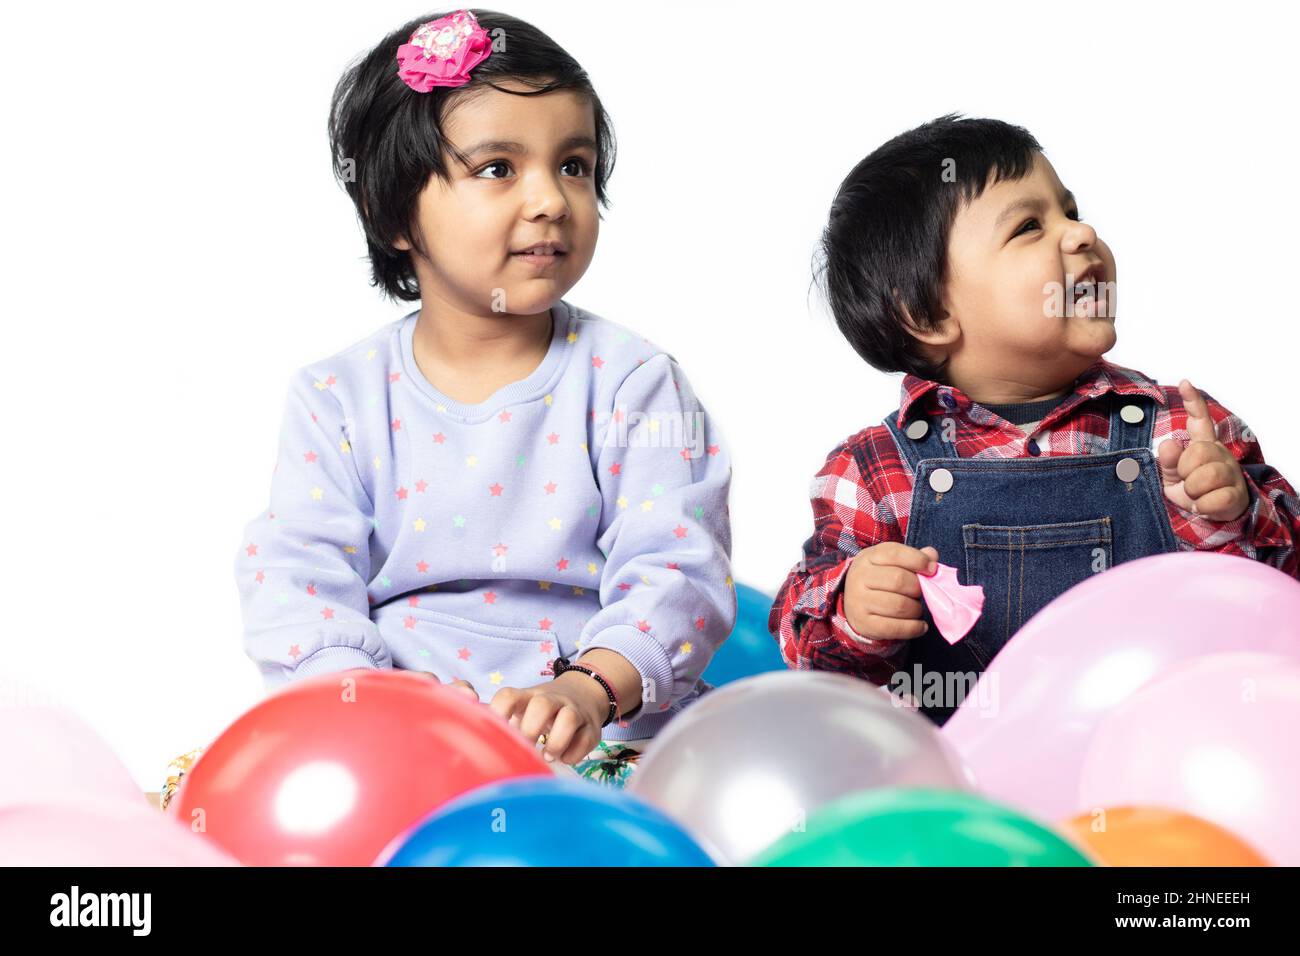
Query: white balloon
pixel 751 761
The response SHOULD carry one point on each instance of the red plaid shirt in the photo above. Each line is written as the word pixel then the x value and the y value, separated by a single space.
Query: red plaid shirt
pixel 863 494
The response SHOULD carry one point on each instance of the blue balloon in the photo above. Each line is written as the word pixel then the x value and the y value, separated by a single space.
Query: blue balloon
pixel 546 821
pixel 750 649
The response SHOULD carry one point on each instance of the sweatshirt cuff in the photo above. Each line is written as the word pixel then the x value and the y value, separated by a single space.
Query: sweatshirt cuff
pixel 648 656
pixel 331 659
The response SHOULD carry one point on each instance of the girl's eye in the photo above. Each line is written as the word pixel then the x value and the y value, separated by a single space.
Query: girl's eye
pixel 499 164
pixel 1025 226
pixel 576 164
pixel 579 162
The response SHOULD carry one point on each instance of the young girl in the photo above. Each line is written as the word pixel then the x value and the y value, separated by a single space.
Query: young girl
pixel 499 482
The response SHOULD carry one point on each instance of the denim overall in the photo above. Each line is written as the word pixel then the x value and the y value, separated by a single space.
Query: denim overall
pixel 1026 529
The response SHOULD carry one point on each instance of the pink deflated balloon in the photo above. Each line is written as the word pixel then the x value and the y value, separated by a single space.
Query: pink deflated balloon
pixel 47 751
pixel 81 833
pixel 1215 738
pixel 1025 735
pixel 954 607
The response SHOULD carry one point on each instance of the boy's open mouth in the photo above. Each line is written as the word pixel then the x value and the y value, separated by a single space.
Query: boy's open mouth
pixel 1089 292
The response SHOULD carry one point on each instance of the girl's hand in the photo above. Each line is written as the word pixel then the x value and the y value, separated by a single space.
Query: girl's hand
pixel 1203 478
pixel 570 710
pixel 463 686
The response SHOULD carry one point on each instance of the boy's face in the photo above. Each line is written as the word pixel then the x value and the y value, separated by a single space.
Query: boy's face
pixel 1030 289
pixel 510 197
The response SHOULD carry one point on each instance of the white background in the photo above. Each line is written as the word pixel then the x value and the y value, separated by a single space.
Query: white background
pixel 175 246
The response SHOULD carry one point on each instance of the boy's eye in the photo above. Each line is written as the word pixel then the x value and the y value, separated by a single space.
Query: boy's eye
pixel 1075 215
pixel 1024 227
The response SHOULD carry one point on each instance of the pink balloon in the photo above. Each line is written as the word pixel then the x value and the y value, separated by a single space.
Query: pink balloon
pixel 47 752
pixel 80 833
pixel 1213 737
pixel 1024 735
pixel 955 607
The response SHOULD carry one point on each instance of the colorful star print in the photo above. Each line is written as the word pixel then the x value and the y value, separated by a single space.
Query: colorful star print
pixel 352 543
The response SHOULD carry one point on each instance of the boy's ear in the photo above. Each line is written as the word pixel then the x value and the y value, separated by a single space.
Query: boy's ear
pixel 946 331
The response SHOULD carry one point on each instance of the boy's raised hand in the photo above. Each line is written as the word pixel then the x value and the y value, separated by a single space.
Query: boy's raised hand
pixel 1203 478
pixel 882 598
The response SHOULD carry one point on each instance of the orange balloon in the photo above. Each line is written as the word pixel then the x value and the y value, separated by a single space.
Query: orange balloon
pixel 1157 836
pixel 329 769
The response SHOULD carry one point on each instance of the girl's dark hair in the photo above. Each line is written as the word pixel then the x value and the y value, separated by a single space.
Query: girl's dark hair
pixel 886 242
pixel 386 139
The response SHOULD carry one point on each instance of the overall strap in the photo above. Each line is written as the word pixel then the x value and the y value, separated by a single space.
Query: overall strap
pixel 920 437
pixel 1132 421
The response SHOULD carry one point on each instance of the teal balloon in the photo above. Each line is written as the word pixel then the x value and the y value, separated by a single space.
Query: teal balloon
pixel 750 649
pixel 545 821
pixel 897 826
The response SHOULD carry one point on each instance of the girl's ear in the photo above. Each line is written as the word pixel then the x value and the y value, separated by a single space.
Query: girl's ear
pixel 404 241
pixel 401 242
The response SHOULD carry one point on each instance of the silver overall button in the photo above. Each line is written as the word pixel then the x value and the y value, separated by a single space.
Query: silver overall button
pixel 918 429
pixel 1131 414
pixel 941 480
pixel 1128 469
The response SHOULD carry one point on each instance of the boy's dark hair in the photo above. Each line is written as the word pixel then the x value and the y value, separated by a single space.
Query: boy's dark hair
pixel 386 139
pixel 885 244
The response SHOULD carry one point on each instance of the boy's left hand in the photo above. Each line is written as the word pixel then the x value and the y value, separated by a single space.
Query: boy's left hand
pixel 1203 478
pixel 570 710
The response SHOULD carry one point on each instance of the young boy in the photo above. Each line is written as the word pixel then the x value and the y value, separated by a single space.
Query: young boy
pixel 1018 454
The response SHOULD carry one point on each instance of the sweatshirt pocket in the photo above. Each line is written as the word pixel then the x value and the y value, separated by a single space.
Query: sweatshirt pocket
pixel 490 656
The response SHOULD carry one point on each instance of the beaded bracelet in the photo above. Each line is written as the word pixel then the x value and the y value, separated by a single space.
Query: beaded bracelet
pixel 622 714
pixel 561 665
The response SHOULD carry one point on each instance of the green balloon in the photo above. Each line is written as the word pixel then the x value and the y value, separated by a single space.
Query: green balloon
pixel 920 827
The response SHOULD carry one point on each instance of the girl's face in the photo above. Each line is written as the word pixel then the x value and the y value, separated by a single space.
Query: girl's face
pixel 1030 286
pixel 531 180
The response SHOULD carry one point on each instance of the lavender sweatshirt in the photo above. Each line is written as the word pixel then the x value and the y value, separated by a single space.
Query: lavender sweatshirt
pixel 583 506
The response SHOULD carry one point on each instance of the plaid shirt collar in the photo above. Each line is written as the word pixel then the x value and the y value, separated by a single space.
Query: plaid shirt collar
pixel 1100 377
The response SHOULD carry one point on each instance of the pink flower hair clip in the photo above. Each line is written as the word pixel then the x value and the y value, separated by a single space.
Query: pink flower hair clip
pixel 442 52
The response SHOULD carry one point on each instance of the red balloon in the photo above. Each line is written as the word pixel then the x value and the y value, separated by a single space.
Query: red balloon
pixel 329 769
